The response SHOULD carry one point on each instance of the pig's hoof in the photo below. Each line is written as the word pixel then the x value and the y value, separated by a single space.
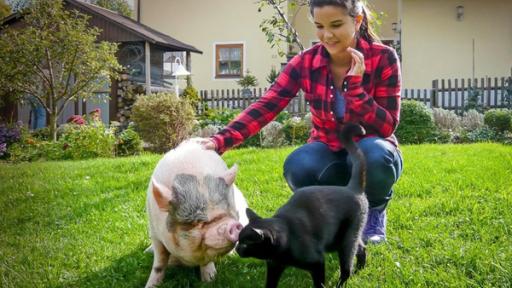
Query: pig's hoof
pixel 208 272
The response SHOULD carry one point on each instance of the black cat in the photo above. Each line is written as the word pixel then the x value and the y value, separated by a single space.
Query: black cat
pixel 315 220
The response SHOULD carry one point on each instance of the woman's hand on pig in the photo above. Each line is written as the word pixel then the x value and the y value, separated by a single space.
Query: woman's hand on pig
pixel 207 143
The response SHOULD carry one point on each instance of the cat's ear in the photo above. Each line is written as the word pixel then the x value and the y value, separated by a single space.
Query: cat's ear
pixel 251 215
pixel 259 232
pixel 264 233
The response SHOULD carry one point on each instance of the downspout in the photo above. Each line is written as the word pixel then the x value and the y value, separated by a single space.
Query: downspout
pixel 138 11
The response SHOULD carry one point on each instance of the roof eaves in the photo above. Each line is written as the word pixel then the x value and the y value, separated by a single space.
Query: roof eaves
pixel 142 35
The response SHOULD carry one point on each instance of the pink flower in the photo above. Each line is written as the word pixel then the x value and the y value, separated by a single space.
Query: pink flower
pixel 76 119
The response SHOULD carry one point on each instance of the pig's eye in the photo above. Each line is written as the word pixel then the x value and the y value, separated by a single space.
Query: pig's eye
pixel 191 225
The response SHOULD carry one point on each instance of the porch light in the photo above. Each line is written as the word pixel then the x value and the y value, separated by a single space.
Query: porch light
pixel 180 71
pixel 460 12
pixel 394 27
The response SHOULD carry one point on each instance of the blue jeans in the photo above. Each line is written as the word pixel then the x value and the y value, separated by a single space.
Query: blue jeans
pixel 315 164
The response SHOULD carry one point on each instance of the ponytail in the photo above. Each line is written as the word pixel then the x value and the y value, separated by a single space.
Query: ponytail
pixel 366 29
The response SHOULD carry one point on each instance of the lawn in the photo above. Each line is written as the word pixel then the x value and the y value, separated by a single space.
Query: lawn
pixel 83 224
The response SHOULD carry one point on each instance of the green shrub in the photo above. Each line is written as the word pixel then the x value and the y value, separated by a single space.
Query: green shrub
pixel 9 135
pixel 473 101
pixel 506 138
pixel 31 148
pixel 472 120
pixel 499 120
pixel 483 134
pixel 87 141
pixel 442 136
pixel 272 135
pixel 416 123
pixel 283 116
pixel 217 117
pixel 43 134
pixel 24 152
pixel 163 120
pixel 507 97
pixel 128 143
pixel 191 94
pixel 207 131
pixel 446 120
pixel 272 75
pixel 75 142
pixel 248 80
pixel 296 131
pixel 253 141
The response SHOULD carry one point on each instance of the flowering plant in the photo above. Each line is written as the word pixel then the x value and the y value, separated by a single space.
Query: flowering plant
pixel 76 119
pixel 8 136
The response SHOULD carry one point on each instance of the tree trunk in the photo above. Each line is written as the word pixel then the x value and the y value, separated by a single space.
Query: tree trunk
pixel 53 125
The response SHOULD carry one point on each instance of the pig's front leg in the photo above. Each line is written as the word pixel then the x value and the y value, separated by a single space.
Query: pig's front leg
pixel 160 259
pixel 208 272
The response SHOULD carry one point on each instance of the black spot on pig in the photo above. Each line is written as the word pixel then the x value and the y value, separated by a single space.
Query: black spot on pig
pixel 219 193
pixel 188 204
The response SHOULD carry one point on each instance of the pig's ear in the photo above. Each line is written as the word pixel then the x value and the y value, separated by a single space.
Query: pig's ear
pixel 251 215
pixel 162 195
pixel 230 175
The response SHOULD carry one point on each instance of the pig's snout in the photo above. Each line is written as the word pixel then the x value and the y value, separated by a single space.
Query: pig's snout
pixel 233 230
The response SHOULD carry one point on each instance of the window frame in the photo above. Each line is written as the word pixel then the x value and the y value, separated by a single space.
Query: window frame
pixel 217 47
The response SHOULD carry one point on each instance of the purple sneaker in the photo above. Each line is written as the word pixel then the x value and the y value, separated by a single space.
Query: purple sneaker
pixel 375 230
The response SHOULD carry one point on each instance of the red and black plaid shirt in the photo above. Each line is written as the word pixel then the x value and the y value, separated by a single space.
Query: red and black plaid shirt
pixel 373 100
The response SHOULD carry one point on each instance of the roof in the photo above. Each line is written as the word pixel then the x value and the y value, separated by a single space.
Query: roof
pixel 146 33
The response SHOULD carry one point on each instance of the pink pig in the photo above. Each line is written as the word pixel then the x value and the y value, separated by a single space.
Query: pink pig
pixel 195 210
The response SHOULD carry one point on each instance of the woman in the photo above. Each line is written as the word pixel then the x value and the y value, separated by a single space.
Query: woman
pixel 347 77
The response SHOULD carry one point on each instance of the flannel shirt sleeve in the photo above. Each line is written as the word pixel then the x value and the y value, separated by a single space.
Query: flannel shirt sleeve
pixel 380 113
pixel 260 113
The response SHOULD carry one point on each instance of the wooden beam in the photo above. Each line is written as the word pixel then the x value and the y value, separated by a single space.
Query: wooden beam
pixel 189 62
pixel 148 68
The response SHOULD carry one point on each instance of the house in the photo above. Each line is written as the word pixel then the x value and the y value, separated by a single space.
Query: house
pixel 141 49
pixel 226 30
pixel 438 39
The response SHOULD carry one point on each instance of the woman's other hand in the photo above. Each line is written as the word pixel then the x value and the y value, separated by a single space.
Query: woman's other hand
pixel 357 67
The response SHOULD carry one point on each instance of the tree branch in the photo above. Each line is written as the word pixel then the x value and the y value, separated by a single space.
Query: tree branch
pixel 69 72
pixel 52 80
pixel 77 90
pixel 33 93
pixel 42 74
pixel 289 27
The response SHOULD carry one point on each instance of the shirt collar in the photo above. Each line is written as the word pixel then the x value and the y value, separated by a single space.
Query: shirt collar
pixel 321 57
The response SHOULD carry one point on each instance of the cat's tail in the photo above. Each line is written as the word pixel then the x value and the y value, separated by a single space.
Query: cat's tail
pixel 358 177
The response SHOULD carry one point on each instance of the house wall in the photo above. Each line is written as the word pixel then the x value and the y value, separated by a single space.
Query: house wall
pixel 204 23
pixel 435 45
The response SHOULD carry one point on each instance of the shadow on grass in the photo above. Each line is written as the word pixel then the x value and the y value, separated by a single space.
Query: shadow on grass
pixel 133 269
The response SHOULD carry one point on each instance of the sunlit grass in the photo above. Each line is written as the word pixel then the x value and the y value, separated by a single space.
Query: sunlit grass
pixel 83 224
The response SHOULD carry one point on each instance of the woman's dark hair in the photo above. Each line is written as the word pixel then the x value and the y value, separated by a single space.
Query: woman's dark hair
pixel 354 8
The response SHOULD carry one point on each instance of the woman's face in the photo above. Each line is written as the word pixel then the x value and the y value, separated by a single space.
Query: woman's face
pixel 335 29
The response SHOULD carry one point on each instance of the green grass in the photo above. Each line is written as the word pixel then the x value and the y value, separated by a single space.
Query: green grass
pixel 83 224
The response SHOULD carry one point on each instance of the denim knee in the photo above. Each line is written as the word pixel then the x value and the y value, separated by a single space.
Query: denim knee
pixel 304 165
pixel 384 166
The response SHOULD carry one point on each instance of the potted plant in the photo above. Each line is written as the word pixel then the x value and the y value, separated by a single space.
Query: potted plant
pixel 246 83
